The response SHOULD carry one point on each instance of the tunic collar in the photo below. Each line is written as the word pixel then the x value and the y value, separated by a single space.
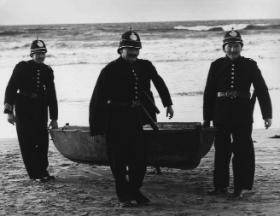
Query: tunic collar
pixel 235 60
pixel 120 59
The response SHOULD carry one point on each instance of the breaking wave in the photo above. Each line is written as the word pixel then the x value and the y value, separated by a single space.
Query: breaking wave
pixel 228 27
pixel 190 93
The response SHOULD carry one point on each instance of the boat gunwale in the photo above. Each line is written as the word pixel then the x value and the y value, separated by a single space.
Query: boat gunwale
pixel 61 130
pixel 197 128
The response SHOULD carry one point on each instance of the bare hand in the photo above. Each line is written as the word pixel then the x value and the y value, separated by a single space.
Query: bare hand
pixel 11 118
pixel 53 124
pixel 169 112
pixel 267 123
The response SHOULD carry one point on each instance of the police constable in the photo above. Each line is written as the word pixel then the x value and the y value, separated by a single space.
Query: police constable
pixel 115 110
pixel 228 103
pixel 29 94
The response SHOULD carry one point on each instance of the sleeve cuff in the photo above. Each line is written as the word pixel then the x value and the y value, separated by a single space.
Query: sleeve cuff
pixel 8 108
pixel 267 117
pixel 167 104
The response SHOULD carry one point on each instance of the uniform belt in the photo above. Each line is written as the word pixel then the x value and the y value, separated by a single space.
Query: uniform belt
pixel 32 95
pixel 131 104
pixel 234 94
pixel 135 104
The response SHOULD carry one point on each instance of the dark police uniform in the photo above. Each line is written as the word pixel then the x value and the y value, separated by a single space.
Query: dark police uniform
pixel 228 103
pixel 115 113
pixel 31 91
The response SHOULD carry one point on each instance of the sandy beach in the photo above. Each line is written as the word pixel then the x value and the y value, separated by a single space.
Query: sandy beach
pixel 83 190
pixel 181 39
pixel 182 53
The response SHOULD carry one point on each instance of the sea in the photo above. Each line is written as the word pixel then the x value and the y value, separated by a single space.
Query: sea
pixel 181 51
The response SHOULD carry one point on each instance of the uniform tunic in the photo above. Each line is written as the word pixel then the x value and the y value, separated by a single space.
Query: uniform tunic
pixel 31 91
pixel 233 117
pixel 112 113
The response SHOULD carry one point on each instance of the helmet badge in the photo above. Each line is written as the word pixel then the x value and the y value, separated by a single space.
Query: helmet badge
pixel 233 33
pixel 133 37
pixel 40 44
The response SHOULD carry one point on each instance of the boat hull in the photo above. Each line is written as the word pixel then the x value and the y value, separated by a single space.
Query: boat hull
pixel 176 145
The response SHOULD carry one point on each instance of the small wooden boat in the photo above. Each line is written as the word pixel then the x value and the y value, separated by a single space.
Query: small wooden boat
pixel 177 144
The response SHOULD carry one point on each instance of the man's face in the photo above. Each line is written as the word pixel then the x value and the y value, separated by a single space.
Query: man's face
pixel 39 57
pixel 233 50
pixel 130 54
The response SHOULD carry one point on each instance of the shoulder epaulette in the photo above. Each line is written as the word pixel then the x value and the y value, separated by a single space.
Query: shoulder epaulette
pixel 22 62
pixel 250 60
pixel 219 60
pixel 49 67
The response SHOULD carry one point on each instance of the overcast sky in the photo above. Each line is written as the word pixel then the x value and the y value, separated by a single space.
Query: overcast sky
pixel 92 11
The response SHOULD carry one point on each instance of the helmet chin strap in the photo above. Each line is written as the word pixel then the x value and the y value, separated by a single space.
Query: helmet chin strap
pixel 129 59
pixel 233 57
pixel 39 62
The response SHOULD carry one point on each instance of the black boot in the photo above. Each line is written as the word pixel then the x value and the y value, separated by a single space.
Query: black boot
pixel 140 198
pixel 237 194
pixel 125 204
pixel 218 191
pixel 45 177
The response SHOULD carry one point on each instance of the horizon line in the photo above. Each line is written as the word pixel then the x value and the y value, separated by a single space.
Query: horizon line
pixel 126 22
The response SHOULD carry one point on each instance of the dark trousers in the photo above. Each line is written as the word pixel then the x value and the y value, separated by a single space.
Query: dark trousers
pixel 32 131
pixel 234 141
pixel 126 151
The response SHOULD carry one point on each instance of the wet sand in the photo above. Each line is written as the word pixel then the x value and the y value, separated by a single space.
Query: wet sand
pixel 83 190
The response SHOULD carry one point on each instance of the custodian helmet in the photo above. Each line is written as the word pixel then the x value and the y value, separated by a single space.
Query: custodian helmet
pixel 38 46
pixel 130 39
pixel 232 36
